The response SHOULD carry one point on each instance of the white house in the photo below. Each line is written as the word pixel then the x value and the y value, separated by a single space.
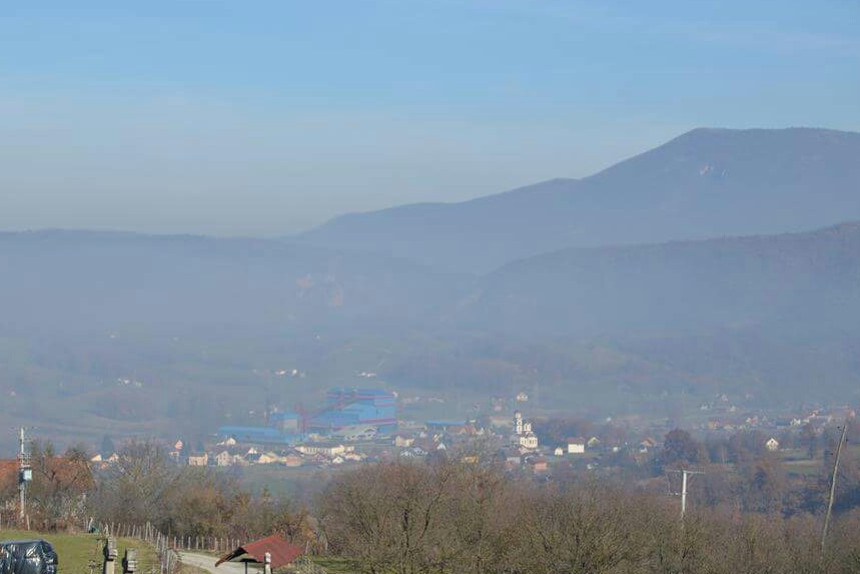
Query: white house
pixel 558 451
pixel 529 441
pixel 575 446
pixel 224 458
pixel 772 445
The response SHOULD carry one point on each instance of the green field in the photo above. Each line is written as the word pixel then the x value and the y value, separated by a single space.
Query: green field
pixel 82 553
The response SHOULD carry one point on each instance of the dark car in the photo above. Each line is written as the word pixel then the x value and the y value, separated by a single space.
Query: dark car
pixel 27 557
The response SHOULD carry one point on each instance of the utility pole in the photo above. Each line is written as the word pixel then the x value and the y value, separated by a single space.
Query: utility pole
pixel 684 480
pixel 25 472
pixel 832 488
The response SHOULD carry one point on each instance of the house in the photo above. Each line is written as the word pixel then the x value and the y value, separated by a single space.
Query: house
pixel 540 465
pixel 292 460
pixel 593 442
pixel 198 460
pixel 337 460
pixel 646 445
pixel 329 450
pixel 224 458
pixel 529 441
pixel 522 397
pixel 772 445
pixel 575 445
pixel 269 458
pixel 401 441
pixel 559 451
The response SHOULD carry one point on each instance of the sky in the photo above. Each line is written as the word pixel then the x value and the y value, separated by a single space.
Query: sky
pixel 267 118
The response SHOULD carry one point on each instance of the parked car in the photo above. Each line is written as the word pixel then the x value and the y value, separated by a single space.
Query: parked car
pixel 27 557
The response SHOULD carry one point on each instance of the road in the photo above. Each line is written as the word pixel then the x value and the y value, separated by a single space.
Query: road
pixel 208 563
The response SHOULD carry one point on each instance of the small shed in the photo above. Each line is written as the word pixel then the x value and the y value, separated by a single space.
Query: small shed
pixel 281 552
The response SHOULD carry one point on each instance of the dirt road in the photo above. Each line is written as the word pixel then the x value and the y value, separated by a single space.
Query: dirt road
pixel 208 563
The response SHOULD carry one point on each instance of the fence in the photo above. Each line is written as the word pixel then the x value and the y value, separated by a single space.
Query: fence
pixel 145 532
pixel 167 558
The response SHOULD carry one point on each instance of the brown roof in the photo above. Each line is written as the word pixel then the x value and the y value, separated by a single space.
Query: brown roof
pixel 281 551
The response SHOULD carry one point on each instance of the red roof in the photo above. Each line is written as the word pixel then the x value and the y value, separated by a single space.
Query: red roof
pixel 281 551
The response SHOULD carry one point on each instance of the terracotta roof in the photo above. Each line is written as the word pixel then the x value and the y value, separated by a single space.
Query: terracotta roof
pixel 281 551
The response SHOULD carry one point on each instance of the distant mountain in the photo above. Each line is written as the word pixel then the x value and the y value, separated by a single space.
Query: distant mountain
pixel 179 334
pixel 706 183
pixel 79 280
pixel 805 285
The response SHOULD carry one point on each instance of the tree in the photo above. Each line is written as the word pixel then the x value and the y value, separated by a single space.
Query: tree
pixel 680 448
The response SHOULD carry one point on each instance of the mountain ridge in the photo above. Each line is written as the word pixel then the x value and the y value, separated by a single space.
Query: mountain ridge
pixel 707 182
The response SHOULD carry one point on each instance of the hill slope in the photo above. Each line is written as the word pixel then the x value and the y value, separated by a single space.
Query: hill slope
pixel 705 183
pixel 809 280
pixel 77 280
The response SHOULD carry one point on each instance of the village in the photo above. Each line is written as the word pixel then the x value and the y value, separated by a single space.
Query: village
pixel 362 425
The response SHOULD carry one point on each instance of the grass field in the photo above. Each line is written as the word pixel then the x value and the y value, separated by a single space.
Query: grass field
pixel 82 553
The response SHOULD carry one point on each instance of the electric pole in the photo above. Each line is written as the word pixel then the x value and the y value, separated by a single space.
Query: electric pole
pixel 684 480
pixel 832 489
pixel 25 472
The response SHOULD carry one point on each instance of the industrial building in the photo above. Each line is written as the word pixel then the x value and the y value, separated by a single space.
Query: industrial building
pixel 357 407
pixel 346 410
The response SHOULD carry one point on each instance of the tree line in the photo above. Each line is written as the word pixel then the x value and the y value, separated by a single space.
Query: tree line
pixel 448 516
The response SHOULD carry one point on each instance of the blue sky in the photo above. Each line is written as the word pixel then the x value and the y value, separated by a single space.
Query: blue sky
pixel 264 118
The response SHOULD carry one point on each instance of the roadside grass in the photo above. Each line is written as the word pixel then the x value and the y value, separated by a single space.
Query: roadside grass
pixel 336 565
pixel 83 553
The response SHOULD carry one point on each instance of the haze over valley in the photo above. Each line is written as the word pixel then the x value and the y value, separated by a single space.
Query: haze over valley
pixel 722 261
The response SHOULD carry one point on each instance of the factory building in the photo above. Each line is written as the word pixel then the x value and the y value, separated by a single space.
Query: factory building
pixel 357 407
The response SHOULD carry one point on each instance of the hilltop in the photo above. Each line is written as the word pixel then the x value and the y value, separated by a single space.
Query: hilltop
pixel 705 183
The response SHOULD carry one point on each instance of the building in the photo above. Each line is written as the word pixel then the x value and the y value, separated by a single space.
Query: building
pixel 524 436
pixel 575 445
pixel 401 441
pixel 559 451
pixel 329 450
pixel 287 423
pixel 522 397
pixel 772 445
pixel 529 441
pixel 257 435
pixel 198 460
pixel 357 407
pixel 224 458
pixel 647 445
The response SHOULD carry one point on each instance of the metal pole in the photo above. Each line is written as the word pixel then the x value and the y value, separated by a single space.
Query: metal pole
pixel 683 493
pixel 832 489
pixel 22 468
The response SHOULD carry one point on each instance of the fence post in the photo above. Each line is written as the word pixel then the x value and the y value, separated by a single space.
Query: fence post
pixel 110 554
pixel 129 563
